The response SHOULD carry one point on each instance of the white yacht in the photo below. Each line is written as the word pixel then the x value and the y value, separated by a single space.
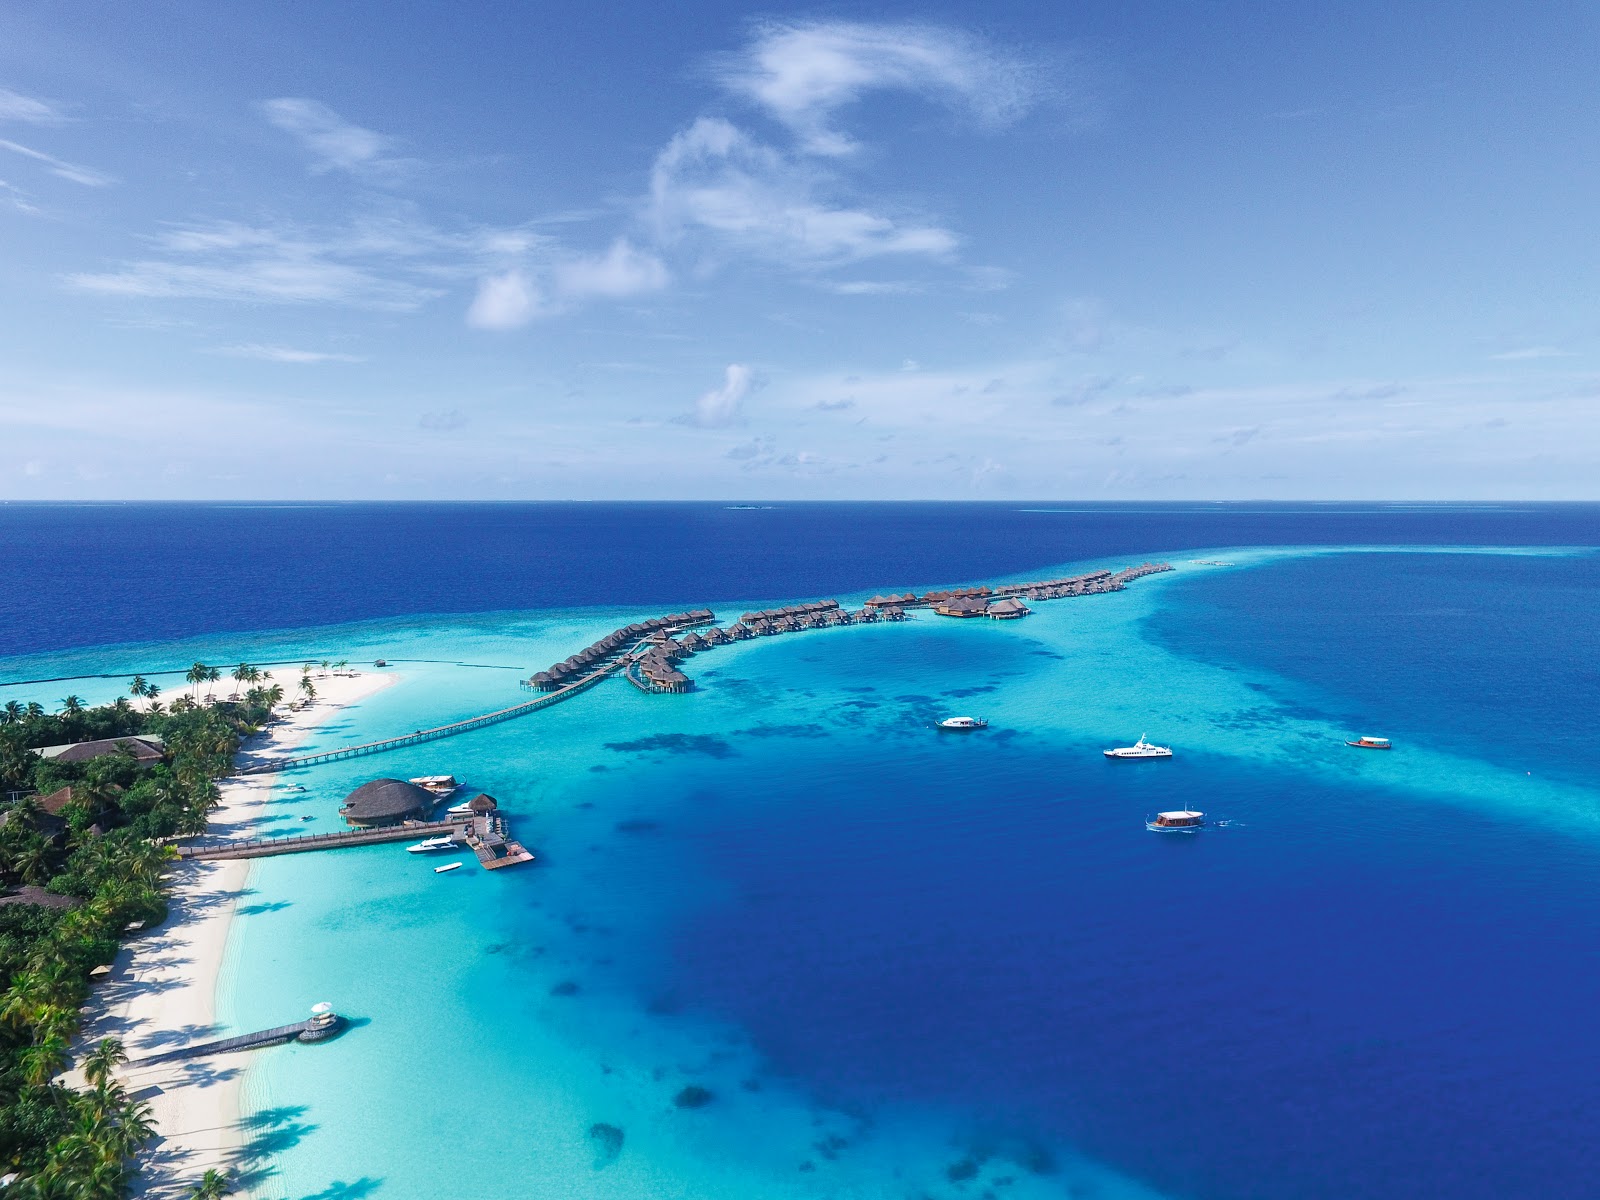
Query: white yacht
pixel 445 842
pixel 464 809
pixel 446 867
pixel 439 785
pixel 961 724
pixel 1140 749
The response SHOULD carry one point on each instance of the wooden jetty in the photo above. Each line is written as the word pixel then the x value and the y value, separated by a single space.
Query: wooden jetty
pixel 315 1028
pixel 266 847
pixel 491 842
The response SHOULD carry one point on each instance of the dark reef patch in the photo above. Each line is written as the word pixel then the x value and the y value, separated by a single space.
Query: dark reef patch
pixel 773 731
pixel 676 743
pixel 959 693
pixel 565 988
pixel 638 825
pixel 694 1096
pixel 607 1142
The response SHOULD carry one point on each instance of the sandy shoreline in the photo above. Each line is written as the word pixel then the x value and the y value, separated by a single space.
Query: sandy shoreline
pixel 162 990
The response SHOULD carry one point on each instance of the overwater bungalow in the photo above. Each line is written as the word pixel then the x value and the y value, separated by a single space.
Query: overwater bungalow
pixel 693 643
pixel 1008 608
pixel 740 631
pixel 894 613
pixel 962 606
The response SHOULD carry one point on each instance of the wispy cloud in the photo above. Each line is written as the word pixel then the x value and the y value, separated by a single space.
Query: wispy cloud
pixel 722 406
pixel 14 106
pixel 286 354
pixel 336 143
pixel 56 166
pixel 714 180
pixel 803 72
pixel 1530 353
pixel 380 265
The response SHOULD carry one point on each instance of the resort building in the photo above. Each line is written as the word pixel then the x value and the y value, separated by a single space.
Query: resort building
pixel 386 802
pixel 146 749
pixel 1008 609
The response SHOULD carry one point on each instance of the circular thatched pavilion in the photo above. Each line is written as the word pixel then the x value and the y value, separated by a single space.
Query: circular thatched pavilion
pixel 387 802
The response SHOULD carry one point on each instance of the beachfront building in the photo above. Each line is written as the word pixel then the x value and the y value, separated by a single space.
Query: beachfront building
pixel 386 802
pixel 146 749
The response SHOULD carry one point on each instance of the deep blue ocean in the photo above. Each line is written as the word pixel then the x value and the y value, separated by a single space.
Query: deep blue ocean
pixel 1375 976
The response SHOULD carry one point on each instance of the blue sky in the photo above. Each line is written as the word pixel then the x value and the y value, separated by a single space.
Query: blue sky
pixel 1102 251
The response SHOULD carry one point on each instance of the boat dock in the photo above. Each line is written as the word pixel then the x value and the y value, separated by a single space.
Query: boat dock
pixel 267 847
pixel 318 1027
pixel 486 834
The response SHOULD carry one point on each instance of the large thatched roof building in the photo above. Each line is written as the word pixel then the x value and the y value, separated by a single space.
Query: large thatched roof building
pixel 387 802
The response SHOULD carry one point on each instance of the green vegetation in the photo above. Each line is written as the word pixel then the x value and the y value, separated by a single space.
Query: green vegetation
pixel 102 852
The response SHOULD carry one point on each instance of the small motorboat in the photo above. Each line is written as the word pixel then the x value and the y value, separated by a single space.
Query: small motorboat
pixel 1140 749
pixel 439 785
pixel 963 724
pixel 1367 742
pixel 1183 821
pixel 464 809
pixel 446 842
pixel 446 867
pixel 308 818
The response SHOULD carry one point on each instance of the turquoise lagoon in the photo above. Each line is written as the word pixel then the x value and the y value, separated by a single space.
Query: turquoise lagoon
pixel 905 964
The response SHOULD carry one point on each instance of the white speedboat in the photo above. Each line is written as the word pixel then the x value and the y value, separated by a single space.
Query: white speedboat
pixel 962 724
pixel 446 842
pixel 1140 749
pixel 1184 821
pixel 446 867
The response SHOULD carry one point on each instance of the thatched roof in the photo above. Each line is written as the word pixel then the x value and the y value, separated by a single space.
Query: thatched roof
pixel 483 803
pixel 387 800
pixel 146 748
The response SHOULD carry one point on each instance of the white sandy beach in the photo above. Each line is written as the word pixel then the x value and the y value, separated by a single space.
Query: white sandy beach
pixel 162 991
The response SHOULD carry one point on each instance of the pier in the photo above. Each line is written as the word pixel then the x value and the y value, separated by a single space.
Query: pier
pixel 321 1025
pixel 267 847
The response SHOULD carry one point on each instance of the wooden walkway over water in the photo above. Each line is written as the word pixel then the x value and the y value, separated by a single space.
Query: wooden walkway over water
pixel 267 847
pixel 246 1041
pixel 271 766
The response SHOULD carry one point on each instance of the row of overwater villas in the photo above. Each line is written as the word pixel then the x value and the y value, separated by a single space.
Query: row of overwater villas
pixel 656 665
pixel 591 659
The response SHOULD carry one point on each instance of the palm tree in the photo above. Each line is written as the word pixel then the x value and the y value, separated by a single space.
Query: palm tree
pixel 325 665
pixel 197 675
pixel 42 1061
pixel 241 676
pixel 309 688
pixel 71 706
pixel 212 675
pixel 35 710
pixel 136 687
pixel 13 712
pixel 213 1185
pixel 105 1058
pixel 342 664
pixel 32 862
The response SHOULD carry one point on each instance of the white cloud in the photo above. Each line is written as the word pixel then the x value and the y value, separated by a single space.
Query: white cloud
pixel 801 72
pixel 286 354
pixel 338 144
pixel 621 271
pixel 713 179
pixel 383 261
pixel 721 406
pixel 56 166
pixel 14 106
pixel 1530 353
pixel 504 301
